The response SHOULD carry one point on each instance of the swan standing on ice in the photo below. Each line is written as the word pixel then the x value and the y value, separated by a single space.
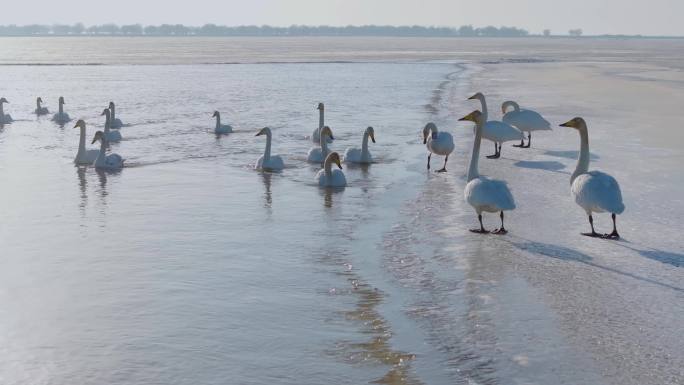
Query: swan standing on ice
pixel 594 191
pixel 316 136
pixel 319 154
pixel 355 155
pixel 112 136
pixel 494 130
pixel 267 161
pixel 4 118
pixel 103 161
pixel 484 194
pixel 84 156
pixel 115 122
pixel 221 128
pixel 40 110
pixel 524 120
pixel 440 143
pixel 329 177
pixel 61 116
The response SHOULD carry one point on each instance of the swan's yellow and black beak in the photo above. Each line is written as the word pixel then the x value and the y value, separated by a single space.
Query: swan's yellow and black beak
pixel 339 164
pixel 474 97
pixel 471 117
pixel 569 123
pixel 372 136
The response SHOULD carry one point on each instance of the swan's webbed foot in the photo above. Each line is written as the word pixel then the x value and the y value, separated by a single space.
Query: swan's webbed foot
pixel 443 169
pixel 593 234
pixel 527 145
pixel 521 145
pixel 613 235
pixel 500 231
pixel 479 231
pixel 494 156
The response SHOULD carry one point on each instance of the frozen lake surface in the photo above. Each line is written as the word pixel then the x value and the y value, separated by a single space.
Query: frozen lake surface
pixel 190 267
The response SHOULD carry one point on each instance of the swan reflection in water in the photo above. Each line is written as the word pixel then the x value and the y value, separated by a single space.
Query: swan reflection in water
pixel 83 186
pixel 266 178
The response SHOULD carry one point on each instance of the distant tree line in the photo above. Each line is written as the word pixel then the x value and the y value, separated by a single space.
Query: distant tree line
pixel 218 30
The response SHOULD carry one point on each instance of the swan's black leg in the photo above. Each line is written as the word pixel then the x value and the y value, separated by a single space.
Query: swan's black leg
pixel 497 152
pixel 614 234
pixel 529 140
pixel 481 230
pixel 502 230
pixel 593 233
pixel 443 169
pixel 522 143
pixel 429 155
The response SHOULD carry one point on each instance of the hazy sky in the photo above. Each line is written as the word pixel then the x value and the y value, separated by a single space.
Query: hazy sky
pixel 649 17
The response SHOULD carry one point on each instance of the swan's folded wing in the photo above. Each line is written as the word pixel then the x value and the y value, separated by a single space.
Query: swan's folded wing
pixel 598 190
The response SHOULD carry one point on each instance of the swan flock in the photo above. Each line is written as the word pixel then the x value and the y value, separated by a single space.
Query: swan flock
pixel 594 191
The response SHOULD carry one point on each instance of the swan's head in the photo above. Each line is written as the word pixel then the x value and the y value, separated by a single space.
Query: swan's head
pixel 576 123
pixel 216 114
pixel 98 136
pixel 105 112
pixel 371 133
pixel 39 100
pixel 334 157
pixel 61 100
pixel 326 131
pixel 263 131
pixel 474 117
pixel 320 107
pixel 111 104
pixel 509 103
pixel 427 130
pixel 3 100
pixel 80 124
pixel 478 96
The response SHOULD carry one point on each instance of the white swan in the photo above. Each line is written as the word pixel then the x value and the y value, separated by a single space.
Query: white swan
pixel 355 155
pixel 4 118
pixel 594 191
pixel 40 110
pixel 115 122
pixel 112 136
pixel 440 143
pixel 221 128
pixel 484 194
pixel 267 161
pixel 494 130
pixel 316 136
pixel 524 120
pixel 61 116
pixel 84 156
pixel 327 177
pixel 103 161
pixel 319 154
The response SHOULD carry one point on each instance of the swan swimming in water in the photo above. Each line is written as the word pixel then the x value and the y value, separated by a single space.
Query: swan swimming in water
pixel 115 122
pixel 112 136
pixel 319 154
pixel 355 155
pixel 83 156
pixel 316 136
pixel 40 110
pixel 484 194
pixel 267 161
pixel 440 143
pixel 103 161
pixel 594 191
pixel 221 128
pixel 4 118
pixel 327 177
pixel 524 120
pixel 61 116
pixel 494 130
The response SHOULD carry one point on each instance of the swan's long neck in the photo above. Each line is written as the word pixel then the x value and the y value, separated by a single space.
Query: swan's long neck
pixel 112 110
pixel 473 171
pixel 103 150
pixel 38 104
pixel 108 122
pixel 364 144
pixel 324 144
pixel 321 119
pixel 327 166
pixel 61 107
pixel 267 151
pixel 583 160
pixel 81 142
pixel 485 113
pixel 218 121
pixel 2 111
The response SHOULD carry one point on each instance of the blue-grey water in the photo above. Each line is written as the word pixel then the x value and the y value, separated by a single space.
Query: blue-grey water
pixel 190 267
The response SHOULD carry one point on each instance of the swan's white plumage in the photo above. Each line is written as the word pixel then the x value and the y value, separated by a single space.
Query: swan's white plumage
pixel 327 177
pixel 112 136
pixel 4 118
pixel 40 110
pixel 61 116
pixel 597 192
pixel 84 156
pixel 488 195
pixel 526 120
pixel 267 161
pixel 316 135
pixel 104 161
pixel 438 142
pixel 319 154
pixel 115 122
pixel 500 132
pixel 361 155
pixel 221 128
